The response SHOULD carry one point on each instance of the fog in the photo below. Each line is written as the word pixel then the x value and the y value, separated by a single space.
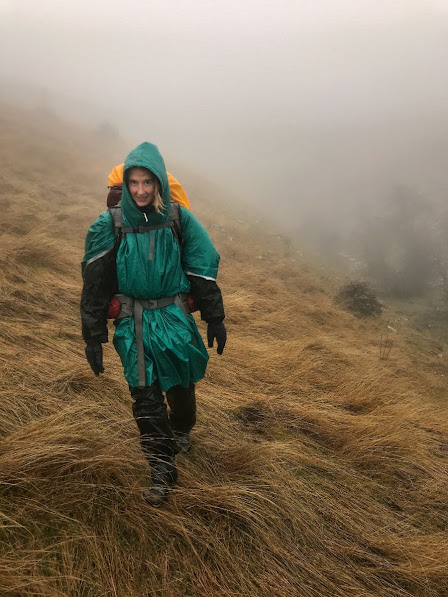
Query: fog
pixel 312 111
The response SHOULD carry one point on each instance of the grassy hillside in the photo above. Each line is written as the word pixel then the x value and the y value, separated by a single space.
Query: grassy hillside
pixel 318 469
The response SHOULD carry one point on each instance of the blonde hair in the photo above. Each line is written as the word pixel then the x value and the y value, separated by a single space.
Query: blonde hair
pixel 158 201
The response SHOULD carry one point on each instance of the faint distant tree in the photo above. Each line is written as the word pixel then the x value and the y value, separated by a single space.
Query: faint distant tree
pixel 44 99
pixel 108 131
pixel 317 228
pixel 440 239
pixel 397 244
pixel 44 104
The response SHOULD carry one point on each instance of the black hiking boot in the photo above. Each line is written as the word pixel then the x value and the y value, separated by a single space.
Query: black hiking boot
pixel 163 477
pixel 183 442
pixel 155 495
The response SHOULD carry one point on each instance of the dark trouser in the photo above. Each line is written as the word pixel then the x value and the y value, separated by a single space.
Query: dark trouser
pixel 156 428
pixel 182 403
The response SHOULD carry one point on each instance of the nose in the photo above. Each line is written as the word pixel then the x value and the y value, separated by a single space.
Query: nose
pixel 140 189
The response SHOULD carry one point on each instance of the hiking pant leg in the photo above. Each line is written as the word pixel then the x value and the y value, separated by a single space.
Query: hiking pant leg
pixel 150 413
pixel 182 402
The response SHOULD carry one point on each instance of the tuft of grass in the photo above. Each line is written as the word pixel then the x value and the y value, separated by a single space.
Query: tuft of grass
pixel 359 298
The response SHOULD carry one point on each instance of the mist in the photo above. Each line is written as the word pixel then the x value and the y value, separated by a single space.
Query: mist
pixel 309 112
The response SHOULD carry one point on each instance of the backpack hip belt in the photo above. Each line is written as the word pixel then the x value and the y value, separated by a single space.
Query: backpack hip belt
pixel 134 307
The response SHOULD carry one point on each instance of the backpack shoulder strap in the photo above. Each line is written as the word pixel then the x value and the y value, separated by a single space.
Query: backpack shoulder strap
pixel 119 227
pixel 117 219
pixel 175 221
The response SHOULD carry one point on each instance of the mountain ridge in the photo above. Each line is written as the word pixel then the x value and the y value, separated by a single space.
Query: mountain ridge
pixel 317 467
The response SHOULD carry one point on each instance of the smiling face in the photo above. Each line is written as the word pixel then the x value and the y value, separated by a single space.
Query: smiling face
pixel 142 186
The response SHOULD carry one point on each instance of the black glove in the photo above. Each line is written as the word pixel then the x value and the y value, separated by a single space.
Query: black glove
pixel 94 354
pixel 216 329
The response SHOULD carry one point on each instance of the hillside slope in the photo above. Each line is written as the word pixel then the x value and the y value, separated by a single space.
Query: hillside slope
pixel 318 469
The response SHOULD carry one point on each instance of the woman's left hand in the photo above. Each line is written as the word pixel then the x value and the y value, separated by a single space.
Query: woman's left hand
pixel 216 329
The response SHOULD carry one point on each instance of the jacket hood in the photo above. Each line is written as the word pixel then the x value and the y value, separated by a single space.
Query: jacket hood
pixel 147 156
pixel 177 191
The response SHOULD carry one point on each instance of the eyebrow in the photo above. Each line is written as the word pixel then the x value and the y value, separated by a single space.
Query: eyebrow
pixel 151 178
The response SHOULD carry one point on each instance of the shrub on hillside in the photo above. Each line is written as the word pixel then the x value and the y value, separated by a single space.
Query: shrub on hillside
pixel 360 298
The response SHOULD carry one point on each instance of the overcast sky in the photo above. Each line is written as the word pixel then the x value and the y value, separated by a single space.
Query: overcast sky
pixel 221 59
pixel 230 85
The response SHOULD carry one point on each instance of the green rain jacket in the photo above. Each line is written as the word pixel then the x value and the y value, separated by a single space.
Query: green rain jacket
pixel 150 266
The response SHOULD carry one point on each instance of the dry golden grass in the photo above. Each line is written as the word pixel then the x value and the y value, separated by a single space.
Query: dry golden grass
pixel 318 469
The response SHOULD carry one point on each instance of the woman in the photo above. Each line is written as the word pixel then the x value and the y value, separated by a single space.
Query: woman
pixel 153 269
